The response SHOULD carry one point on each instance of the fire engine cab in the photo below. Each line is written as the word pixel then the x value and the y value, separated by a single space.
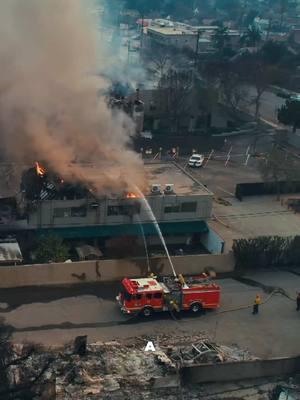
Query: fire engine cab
pixel 148 295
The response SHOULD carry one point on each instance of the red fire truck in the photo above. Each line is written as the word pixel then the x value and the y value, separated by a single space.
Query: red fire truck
pixel 147 295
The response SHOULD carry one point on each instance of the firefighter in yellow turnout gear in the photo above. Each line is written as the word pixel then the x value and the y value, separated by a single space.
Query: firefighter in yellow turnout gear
pixel 256 304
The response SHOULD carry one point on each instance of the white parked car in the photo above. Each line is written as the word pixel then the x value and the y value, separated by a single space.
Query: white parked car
pixel 196 160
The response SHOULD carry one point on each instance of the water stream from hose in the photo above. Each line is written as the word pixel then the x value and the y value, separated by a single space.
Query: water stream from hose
pixel 145 245
pixel 155 223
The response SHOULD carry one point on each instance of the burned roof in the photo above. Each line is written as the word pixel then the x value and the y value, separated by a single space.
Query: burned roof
pixel 37 184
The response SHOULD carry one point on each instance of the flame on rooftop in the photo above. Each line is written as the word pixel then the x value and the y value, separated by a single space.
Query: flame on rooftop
pixel 131 195
pixel 39 169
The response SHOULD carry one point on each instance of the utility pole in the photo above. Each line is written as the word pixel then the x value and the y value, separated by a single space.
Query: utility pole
pixel 197 48
pixel 142 32
pixel 128 52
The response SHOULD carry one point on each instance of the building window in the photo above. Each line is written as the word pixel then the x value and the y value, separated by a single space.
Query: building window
pixel 172 209
pixel 113 210
pixel 129 209
pixel 78 212
pixel 184 207
pixel 189 207
pixel 62 212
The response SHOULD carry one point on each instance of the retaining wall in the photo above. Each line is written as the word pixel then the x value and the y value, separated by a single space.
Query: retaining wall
pixel 234 371
pixel 109 270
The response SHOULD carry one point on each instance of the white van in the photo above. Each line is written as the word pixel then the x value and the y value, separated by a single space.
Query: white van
pixel 196 160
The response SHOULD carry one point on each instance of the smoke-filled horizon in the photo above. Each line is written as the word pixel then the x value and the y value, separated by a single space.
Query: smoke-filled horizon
pixel 50 109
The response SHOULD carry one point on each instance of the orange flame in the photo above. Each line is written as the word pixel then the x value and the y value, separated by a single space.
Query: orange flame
pixel 39 169
pixel 131 195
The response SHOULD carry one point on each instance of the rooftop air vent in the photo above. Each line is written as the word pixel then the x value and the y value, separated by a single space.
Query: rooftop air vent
pixel 169 188
pixel 156 188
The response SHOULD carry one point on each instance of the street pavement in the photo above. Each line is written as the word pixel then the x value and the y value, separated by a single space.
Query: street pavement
pixel 54 316
pixel 270 103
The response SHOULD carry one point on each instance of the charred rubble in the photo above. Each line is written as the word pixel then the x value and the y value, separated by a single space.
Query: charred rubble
pixel 121 369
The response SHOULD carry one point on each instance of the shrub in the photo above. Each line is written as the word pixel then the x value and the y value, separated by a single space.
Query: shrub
pixel 266 251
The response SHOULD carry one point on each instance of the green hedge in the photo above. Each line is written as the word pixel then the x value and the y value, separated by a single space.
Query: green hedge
pixel 266 251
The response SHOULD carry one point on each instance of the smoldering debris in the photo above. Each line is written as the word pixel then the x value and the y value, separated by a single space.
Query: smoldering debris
pixel 50 108
pixel 123 369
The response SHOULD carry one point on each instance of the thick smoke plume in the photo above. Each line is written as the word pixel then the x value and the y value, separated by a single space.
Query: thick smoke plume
pixel 50 109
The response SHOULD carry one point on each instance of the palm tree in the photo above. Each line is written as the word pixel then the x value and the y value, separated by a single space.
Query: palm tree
pixel 252 36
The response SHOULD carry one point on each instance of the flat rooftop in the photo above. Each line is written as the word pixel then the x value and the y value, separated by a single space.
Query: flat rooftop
pixel 163 173
pixel 157 173
pixel 170 173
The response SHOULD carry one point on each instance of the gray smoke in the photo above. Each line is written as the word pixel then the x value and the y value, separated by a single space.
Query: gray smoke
pixel 50 109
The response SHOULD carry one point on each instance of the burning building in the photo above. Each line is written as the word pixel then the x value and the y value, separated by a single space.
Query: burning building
pixel 49 204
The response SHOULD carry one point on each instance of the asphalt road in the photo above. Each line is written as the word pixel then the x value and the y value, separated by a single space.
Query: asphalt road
pixel 270 103
pixel 54 316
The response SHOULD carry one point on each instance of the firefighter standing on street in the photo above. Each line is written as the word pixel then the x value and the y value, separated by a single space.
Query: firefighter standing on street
pixel 256 304
pixel 298 301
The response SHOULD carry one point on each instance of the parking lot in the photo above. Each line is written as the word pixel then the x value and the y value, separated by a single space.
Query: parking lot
pixel 255 215
pixel 222 180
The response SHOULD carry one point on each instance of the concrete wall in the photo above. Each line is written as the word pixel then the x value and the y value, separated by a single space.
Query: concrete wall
pixel 108 270
pixel 212 242
pixel 233 371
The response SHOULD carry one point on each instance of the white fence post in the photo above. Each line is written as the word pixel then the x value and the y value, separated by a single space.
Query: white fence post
pixel 247 159
pixel 228 156
pixel 209 157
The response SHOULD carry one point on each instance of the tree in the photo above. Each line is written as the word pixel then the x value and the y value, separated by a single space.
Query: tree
pixel 20 377
pixel 231 7
pixel 259 75
pixel 273 52
pixel 289 114
pixel 220 38
pixel 278 166
pixel 283 6
pixel 252 36
pixel 233 92
pixel 174 90
pixel 159 59
pixel 226 78
pixel 249 18
pixel 143 6
pixel 51 248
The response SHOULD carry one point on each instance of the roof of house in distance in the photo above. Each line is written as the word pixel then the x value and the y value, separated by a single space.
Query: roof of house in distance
pixel 172 31
pixel 170 173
